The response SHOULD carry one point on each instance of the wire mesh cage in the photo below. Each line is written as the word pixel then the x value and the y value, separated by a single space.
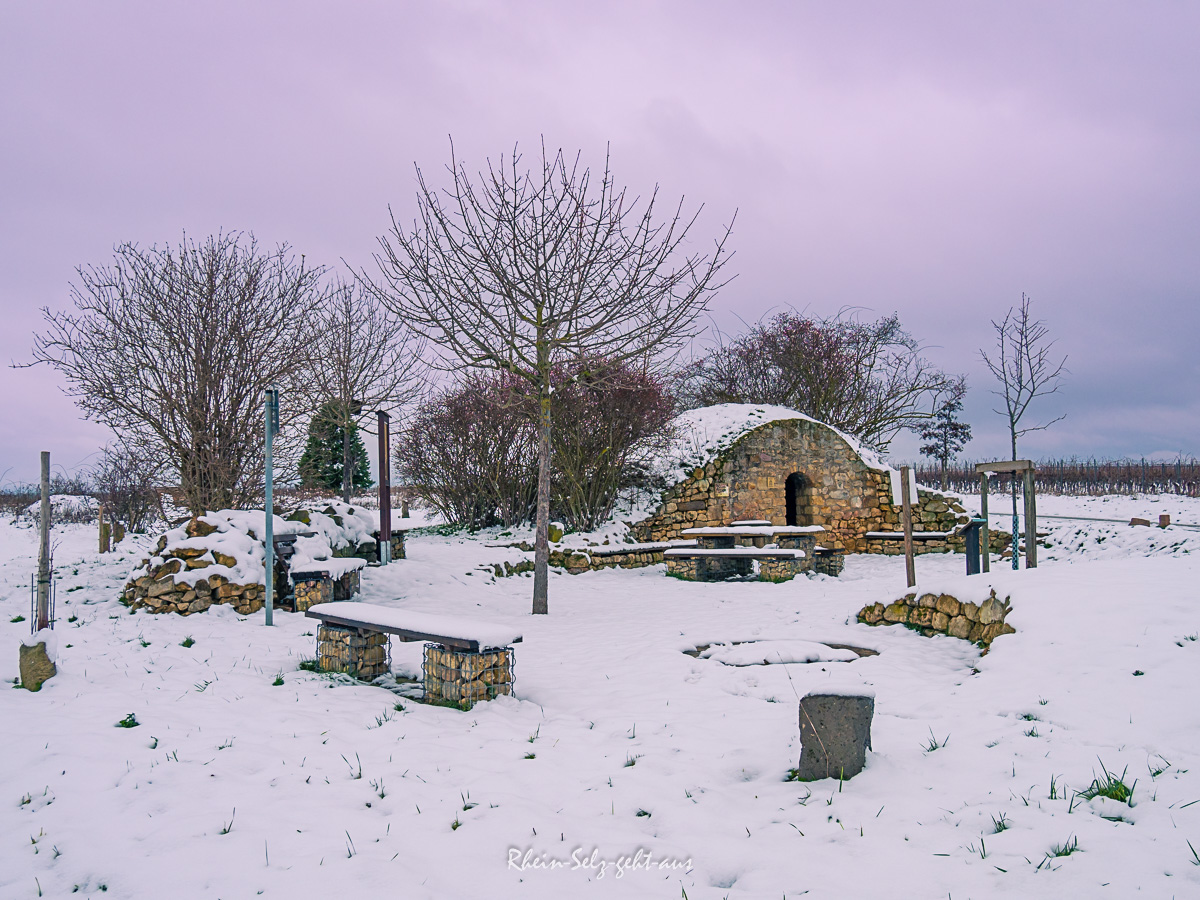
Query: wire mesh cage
pixel 462 677
pixel 363 654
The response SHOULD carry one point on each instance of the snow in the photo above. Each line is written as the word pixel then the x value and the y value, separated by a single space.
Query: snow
pixel 704 434
pixel 66 507
pixel 43 636
pixel 619 721
pixel 754 653
pixel 486 634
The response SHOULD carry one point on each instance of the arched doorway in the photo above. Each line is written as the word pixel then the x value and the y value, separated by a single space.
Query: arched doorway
pixel 798 491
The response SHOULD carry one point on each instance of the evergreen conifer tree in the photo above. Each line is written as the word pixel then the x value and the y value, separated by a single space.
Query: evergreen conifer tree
pixel 946 435
pixel 321 464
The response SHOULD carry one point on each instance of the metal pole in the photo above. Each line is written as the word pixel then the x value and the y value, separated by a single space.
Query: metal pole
pixel 271 412
pixel 385 491
pixel 1030 521
pixel 910 569
pixel 985 550
pixel 43 582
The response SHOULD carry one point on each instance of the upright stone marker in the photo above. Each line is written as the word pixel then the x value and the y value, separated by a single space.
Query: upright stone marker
pixel 835 733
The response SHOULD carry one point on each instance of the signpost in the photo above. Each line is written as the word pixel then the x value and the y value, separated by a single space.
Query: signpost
pixel 271 414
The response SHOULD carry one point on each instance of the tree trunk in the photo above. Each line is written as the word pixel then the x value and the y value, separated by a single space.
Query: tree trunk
pixel 541 546
pixel 347 475
pixel 943 481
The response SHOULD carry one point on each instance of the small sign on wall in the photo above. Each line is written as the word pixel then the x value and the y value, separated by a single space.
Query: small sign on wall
pixel 897 500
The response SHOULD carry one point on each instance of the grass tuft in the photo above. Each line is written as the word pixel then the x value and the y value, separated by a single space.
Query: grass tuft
pixel 278 682
pixel 1000 823
pixel 1110 786
pixel 188 641
pixel 130 721
pixel 934 743
pixel 310 665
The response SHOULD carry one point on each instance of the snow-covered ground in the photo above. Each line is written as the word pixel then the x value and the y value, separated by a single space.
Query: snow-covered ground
pixel 234 786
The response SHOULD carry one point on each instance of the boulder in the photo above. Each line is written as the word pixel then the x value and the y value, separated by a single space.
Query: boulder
pixel 835 733
pixel 36 666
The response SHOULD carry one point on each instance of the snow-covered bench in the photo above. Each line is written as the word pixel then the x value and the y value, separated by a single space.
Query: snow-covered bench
pixel 465 660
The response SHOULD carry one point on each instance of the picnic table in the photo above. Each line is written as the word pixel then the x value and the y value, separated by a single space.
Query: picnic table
pixel 724 551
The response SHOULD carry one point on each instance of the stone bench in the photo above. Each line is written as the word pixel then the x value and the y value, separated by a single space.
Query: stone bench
pixel 705 564
pixel 465 660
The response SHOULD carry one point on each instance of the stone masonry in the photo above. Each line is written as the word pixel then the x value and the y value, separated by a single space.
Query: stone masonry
pixel 836 490
pixel 462 677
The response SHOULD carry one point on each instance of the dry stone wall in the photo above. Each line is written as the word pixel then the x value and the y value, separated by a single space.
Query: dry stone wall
pixel 838 492
pixel 933 614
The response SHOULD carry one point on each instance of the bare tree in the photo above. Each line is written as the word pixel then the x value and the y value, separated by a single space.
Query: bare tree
pixel 1023 365
pixel 172 348
pixel 519 270
pixel 1026 370
pixel 868 379
pixel 369 360
pixel 125 485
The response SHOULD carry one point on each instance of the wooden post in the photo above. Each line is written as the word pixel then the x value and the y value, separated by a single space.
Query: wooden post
pixel 105 532
pixel 910 569
pixel 385 492
pixel 42 619
pixel 1030 522
pixel 271 426
pixel 984 549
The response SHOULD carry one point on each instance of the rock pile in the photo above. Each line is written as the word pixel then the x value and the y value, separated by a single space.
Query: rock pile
pixel 209 560
pixel 933 614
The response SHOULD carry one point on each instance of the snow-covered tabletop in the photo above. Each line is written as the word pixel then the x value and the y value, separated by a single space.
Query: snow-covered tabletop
pixel 423 626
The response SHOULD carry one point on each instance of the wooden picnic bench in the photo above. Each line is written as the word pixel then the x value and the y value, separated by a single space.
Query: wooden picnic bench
pixel 465 660
pixel 782 551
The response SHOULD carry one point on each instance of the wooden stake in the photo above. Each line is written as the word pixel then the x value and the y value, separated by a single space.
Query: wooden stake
pixel 984 549
pixel 910 568
pixel 42 619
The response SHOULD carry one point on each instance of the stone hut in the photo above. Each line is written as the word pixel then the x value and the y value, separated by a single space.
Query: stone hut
pixel 740 461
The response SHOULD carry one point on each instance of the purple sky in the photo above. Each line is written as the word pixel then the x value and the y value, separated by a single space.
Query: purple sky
pixel 930 159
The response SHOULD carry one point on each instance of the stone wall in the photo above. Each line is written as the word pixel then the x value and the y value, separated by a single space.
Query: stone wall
pixel 933 614
pixel 157 589
pixel 839 492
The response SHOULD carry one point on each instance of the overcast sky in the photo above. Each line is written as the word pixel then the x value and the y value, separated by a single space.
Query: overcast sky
pixel 932 159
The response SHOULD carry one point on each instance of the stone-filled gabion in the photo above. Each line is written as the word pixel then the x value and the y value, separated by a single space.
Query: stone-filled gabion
pixel 933 614
pixel 363 654
pixel 347 586
pixel 829 562
pixel 462 678
pixel 312 588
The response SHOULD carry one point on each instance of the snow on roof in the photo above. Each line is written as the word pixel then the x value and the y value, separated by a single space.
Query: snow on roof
pixel 704 434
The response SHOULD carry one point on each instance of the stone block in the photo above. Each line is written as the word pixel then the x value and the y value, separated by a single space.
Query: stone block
pixel 948 605
pixel 835 734
pixel 36 666
pixel 991 611
pixel 959 627
pixel 928 601
pixel 941 622
pixel 896 612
